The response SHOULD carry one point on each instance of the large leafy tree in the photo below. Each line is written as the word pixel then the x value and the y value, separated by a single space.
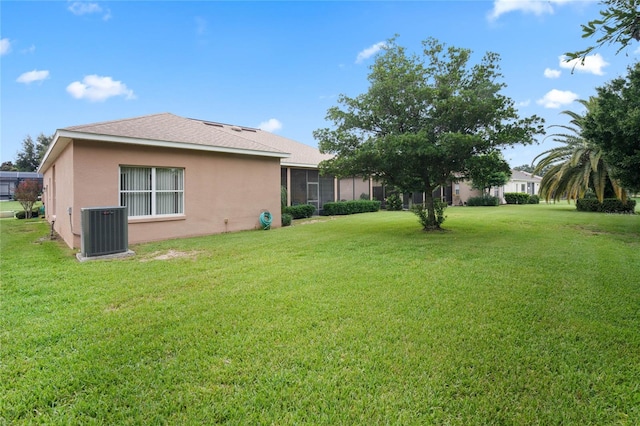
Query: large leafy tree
pixel 614 126
pixel 619 24
pixel 576 165
pixel 421 120
pixel 29 158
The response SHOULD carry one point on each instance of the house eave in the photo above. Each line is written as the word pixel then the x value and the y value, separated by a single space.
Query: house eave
pixel 64 137
pixel 298 165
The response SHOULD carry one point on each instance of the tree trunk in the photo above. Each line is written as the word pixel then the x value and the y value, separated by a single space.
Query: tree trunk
pixel 432 223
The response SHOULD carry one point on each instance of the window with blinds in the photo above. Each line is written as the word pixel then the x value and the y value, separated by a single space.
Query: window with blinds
pixel 152 191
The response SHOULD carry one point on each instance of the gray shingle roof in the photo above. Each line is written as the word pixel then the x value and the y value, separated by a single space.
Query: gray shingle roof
pixel 527 177
pixel 172 128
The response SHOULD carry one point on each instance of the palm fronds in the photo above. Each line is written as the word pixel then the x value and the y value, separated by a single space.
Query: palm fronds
pixel 575 166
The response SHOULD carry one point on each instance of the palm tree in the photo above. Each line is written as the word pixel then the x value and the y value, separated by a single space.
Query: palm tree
pixel 575 166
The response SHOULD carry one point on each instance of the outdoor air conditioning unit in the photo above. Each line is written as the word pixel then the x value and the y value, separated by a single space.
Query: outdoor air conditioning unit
pixel 104 231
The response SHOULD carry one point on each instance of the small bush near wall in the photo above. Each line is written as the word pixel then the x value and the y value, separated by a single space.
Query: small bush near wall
pixel 608 205
pixel 286 219
pixel 516 197
pixel 484 200
pixel 23 214
pixel 300 211
pixel 394 202
pixel 350 207
pixel 534 199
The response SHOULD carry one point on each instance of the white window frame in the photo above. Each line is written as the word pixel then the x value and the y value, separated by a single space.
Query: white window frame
pixel 154 192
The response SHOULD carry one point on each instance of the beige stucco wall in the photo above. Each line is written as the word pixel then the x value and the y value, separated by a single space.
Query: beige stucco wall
pixel 58 183
pixel 466 192
pixel 223 192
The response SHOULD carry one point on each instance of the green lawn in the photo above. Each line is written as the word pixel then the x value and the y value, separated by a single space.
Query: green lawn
pixel 515 315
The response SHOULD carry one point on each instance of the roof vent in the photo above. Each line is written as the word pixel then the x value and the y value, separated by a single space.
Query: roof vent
pixel 209 123
pixel 236 128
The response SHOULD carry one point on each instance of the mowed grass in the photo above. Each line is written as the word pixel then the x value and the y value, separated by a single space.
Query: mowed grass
pixel 514 315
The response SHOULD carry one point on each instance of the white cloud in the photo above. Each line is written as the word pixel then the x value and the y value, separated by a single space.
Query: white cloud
pixel 524 103
pixel 5 46
pixel 536 7
pixel 592 64
pixel 96 88
pixel 549 73
pixel 31 76
pixel 271 125
pixel 84 8
pixel 30 49
pixel 557 98
pixel 370 51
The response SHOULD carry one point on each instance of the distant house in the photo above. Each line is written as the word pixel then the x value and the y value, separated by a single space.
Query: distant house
pixel 458 193
pixel 523 182
pixel 10 180
pixel 518 182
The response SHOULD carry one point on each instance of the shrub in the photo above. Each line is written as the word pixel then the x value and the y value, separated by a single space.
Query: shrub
pixel 483 200
pixel 300 211
pixel 286 219
pixel 394 202
pixel 614 205
pixel 587 204
pixel 516 197
pixel 534 199
pixel 23 215
pixel 608 205
pixel 350 207
pixel 422 213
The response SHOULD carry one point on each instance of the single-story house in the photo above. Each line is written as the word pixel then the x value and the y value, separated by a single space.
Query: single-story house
pixel 181 177
pixel 178 177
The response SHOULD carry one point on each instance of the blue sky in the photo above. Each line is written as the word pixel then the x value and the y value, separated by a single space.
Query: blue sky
pixel 274 65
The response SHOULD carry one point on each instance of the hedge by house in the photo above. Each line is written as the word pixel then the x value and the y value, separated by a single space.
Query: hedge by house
pixel 350 207
pixel 483 200
pixel 608 205
pixel 23 215
pixel 516 197
pixel 300 211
